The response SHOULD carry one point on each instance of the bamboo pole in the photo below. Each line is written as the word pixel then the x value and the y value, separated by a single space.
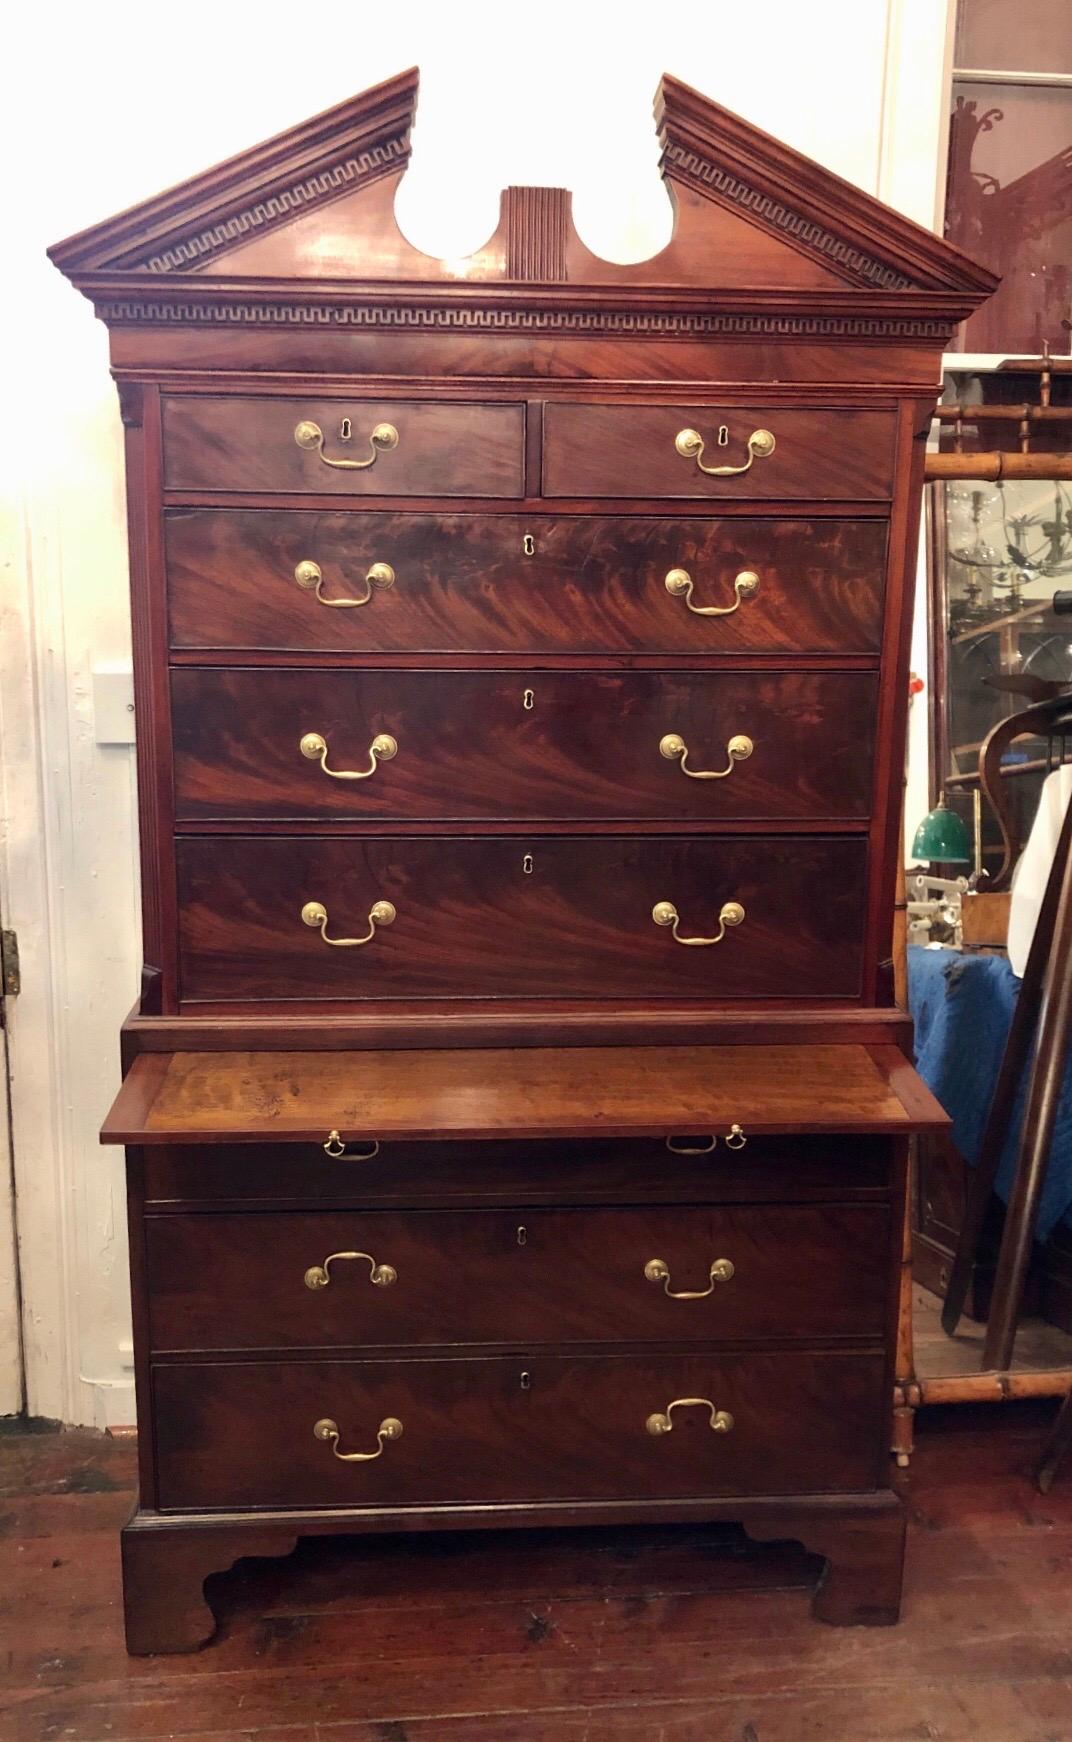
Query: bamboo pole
pixel 994 1387
pixel 1004 414
pixel 993 467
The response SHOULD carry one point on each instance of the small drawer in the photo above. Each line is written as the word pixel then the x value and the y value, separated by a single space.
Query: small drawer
pixel 343 447
pixel 275 578
pixel 402 1173
pixel 766 452
pixel 424 1278
pixel 361 918
pixel 517 1428
pixel 454 746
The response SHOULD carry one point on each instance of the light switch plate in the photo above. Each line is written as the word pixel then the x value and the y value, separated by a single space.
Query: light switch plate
pixel 113 705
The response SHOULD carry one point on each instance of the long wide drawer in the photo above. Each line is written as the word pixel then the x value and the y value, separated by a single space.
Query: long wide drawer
pixel 547 745
pixel 359 447
pixel 440 583
pixel 757 451
pixel 292 917
pixel 277 1281
pixel 262 1433
pixel 677 1169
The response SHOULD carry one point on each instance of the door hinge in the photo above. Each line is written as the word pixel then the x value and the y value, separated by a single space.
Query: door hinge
pixel 10 978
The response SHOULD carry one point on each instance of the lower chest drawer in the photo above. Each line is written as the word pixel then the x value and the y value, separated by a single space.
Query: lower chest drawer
pixel 395 1433
pixel 401 1173
pixel 692 1273
pixel 545 917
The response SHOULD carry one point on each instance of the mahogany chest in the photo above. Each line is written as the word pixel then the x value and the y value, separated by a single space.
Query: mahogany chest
pixel 516 1108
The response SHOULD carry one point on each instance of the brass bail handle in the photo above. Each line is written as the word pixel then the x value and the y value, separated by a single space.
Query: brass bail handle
pixel 690 445
pixel 315 914
pixel 665 913
pixel 336 1148
pixel 314 747
pixel 310 578
pixel 720 1421
pixel 735 1139
pixel 674 748
pixel 390 1428
pixel 657 1270
pixel 679 584
pixel 310 437
pixel 380 1275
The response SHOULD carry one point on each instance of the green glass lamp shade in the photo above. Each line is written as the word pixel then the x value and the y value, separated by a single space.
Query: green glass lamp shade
pixel 942 838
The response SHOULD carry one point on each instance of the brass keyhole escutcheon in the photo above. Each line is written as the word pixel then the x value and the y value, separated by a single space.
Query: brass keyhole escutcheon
pixel 526 1381
pixel 689 443
pixel 526 865
pixel 528 544
pixel 346 430
pixel 528 700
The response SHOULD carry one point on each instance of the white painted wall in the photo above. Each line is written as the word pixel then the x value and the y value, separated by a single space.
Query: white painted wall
pixel 102 109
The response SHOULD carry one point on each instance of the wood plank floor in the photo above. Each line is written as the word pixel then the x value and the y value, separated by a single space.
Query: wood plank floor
pixel 658 1636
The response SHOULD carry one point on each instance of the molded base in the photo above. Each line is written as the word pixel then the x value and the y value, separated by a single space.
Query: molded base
pixel 167 1558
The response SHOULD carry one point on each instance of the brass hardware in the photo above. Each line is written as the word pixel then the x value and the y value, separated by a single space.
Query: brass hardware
pixel 721 1421
pixel 739 749
pixel 528 699
pixel 314 913
pixel 690 445
pixel 382 748
pixel 336 1148
pixel 735 1138
pixel 723 435
pixel 526 865
pixel 526 1381
pixel 380 1275
pixel 691 1148
pixel 310 578
pixel 528 544
pixel 310 436
pixel 390 1428
pixel 522 1235
pixel 657 1270
pixel 665 913
pixel 679 584
pixel 346 430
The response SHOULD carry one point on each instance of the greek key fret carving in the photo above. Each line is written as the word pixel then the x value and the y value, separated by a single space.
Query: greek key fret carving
pixel 804 230
pixel 280 206
pixel 511 318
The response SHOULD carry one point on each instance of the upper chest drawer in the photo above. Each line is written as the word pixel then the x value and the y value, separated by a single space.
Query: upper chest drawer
pixel 760 452
pixel 359 447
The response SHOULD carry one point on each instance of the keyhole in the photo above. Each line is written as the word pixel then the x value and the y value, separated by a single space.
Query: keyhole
pixel 522 1235
pixel 526 1381
pixel 723 435
pixel 345 430
pixel 528 544
pixel 528 700
pixel 526 865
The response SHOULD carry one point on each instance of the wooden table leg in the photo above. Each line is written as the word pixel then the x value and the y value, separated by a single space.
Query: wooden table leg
pixel 1033 1152
pixel 1058 1444
pixel 1017 1048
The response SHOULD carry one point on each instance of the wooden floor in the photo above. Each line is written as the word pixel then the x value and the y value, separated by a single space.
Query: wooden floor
pixel 660 1636
pixel 1039 1346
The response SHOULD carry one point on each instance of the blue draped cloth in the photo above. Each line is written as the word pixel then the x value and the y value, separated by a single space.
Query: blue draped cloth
pixel 962 1006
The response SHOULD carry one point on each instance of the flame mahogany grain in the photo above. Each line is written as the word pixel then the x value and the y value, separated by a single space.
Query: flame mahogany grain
pixel 593 585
